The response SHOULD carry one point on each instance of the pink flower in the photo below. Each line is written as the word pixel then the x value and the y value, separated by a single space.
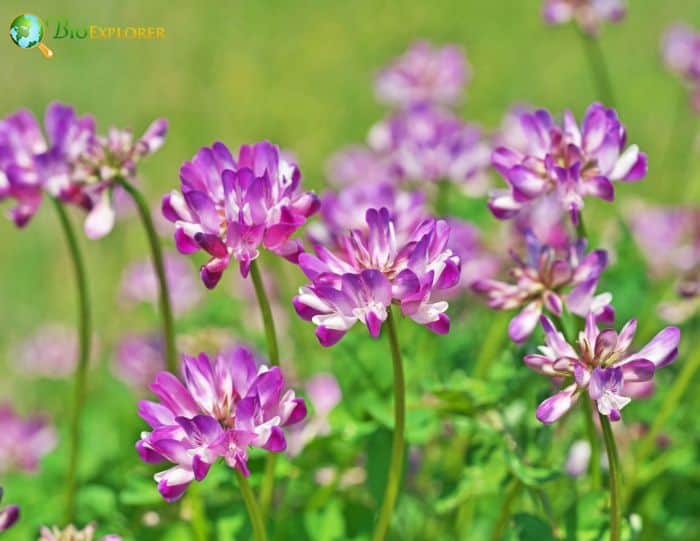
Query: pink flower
pixel 549 279
pixel 229 208
pixel 226 405
pixel 588 14
pixel 600 366
pixel 371 268
pixel 23 442
pixel 138 359
pixel 324 394
pixel 71 533
pixel 424 74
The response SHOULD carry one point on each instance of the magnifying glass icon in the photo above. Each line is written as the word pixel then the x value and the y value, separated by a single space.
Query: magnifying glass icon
pixel 27 31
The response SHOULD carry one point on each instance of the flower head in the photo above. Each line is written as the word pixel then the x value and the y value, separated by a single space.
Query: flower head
pixel 8 515
pixel 369 269
pixel 680 47
pixel 226 405
pixel 31 163
pixel 588 14
pixel 570 161
pixel 140 283
pixel 600 365
pixel 426 143
pixel 52 352
pixel 551 279
pixel 477 262
pixel 23 442
pixel 71 533
pixel 230 207
pixel 360 165
pixel 424 74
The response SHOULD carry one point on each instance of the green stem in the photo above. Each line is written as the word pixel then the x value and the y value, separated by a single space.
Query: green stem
pixel 592 435
pixel 393 482
pixel 681 383
pixel 268 321
pixel 596 62
pixel 615 483
pixel 497 333
pixel 442 199
pixel 159 266
pixel 503 518
pixel 84 333
pixel 251 505
pixel 268 483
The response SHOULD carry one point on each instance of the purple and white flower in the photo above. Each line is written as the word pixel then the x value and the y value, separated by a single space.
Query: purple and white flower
pixel 553 280
pixel 570 161
pixel 428 144
pixel 477 262
pixel 424 74
pixel 360 165
pixel 369 269
pixel 226 405
pixel 23 441
pixel 588 14
pixel 599 365
pixel 230 207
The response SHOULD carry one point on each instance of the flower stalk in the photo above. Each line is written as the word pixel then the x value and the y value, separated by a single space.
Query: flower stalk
pixel 598 67
pixel 251 505
pixel 159 266
pixel 615 481
pixel 84 332
pixel 393 483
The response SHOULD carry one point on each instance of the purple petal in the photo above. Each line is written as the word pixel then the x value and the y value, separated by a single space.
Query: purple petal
pixel 557 405
pixel 662 349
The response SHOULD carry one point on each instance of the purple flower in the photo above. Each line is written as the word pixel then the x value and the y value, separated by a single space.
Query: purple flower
pixel 669 238
pixel 72 163
pixel 345 211
pixel 23 442
pixel 551 279
pixel 680 47
pixel 324 394
pixel 360 165
pixel 226 405
pixel 31 164
pixel 369 269
pixel 588 14
pixel 571 161
pixel 8 515
pixel 138 359
pixel 426 143
pixel 687 303
pixel 230 207
pixel 71 533
pixel 140 284
pixel 600 366
pixel 424 74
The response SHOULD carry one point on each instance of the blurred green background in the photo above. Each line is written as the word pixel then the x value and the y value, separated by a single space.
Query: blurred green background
pixel 300 74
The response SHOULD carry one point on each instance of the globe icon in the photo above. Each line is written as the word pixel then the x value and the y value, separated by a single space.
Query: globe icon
pixel 27 31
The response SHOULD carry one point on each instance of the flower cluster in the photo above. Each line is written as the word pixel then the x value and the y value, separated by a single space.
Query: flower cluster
pixel 138 359
pixel 424 74
pixel 8 515
pixel 588 14
pixel 230 207
pixel 551 279
pixel 429 144
pixel 72 163
pixel 50 352
pixel 371 268
pixel 600 366
pixel 23 442
pixel 681 52
pixel 226 405
pixel 571 161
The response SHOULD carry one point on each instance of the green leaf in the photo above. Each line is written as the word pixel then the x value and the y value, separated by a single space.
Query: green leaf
pixel 326 524
pixel 465 396
pixel 531 528
pixel 532 476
